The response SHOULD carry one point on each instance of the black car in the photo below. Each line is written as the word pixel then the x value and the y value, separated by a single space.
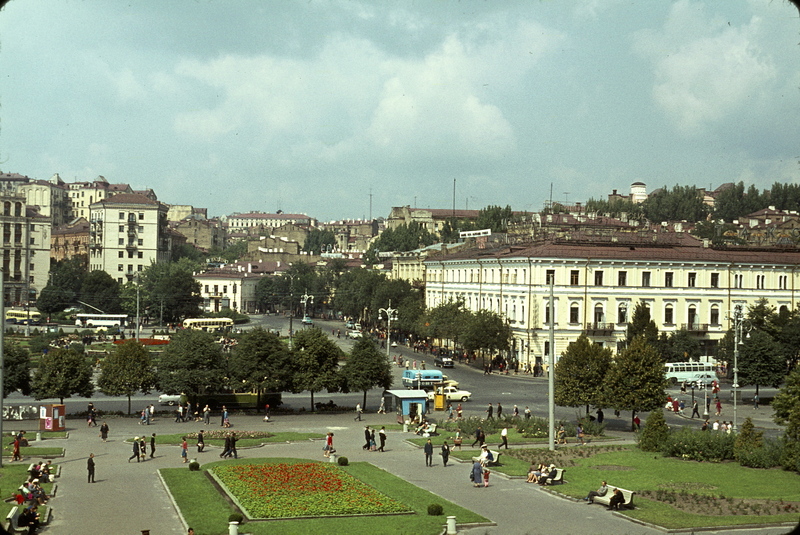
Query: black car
pixel 443 362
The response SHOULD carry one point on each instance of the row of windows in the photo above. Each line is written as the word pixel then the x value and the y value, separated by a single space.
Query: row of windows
pixel 121 267
pixel 622 280
pixel 216 288
pixel 131 216
pixel 139 254
pixel 123 229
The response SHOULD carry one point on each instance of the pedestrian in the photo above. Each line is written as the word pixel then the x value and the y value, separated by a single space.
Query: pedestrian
pixel 90 468
pixel 135 450
pixel 428 448
pixel 152 445
pixel 755 402
pixel 637 423
pixel 207 415
pixel 459 412
pixel 504 438
pixel 142 449
pixel 445 453
pixel 719 407
pixel 527 413
pixel 485 478
pixel 328 449
pixel 382 438
pixel 366 439
pixel 358 412
pixel 490 412
pixel 223 416
pixel 104 432
pixel 579 434
pixel 184 450
pixel 600 416
pixel 232 450
pixel 499 411
pixel 201 443
pixel 179 414
pixel 226 417
pixel 516 411
pixel 694 409
pixel 226 448
pixel 477 437
pixel 458 439
pixel 152 411
pixel 477 474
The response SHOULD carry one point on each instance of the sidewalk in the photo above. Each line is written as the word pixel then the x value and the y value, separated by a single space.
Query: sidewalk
pixel 129 497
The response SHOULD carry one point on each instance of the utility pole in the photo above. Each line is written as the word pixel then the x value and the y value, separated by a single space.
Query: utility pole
pixel 391 314
pixel 137 307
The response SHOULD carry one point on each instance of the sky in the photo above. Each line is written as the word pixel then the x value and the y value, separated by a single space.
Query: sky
pixel 344 109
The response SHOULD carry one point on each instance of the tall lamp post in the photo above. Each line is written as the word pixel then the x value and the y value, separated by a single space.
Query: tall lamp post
pixel 306 298
pixel 739 324
pixel 391 314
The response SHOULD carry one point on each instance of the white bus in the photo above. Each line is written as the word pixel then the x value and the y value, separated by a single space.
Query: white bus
pixel 101 320
pixel 208 324
pixel 677 372
pixel 32 317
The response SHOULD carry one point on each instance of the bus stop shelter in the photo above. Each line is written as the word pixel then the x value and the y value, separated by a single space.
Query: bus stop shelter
pixel 407 404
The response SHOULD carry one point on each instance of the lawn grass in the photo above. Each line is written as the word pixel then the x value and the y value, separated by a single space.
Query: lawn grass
pixel 12 476
pixel 207 511
pixel 648 471
pixel 175 439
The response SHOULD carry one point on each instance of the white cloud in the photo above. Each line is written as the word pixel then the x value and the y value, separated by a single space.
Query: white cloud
pixel 703 78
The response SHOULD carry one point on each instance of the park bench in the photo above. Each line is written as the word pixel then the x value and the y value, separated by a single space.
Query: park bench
pixel 558 478
pixel 12 520
pixel 605 500
pixel 495 460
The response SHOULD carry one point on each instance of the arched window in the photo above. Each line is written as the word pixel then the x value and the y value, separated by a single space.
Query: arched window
pixel 714 316
pixel 599 315
pixel 692 317
pixel 669 318
pixel 622 313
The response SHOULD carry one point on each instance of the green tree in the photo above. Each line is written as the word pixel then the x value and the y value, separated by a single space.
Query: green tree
pixel 681 346
pixel 66 277
pixel 786 407
pixel 126 371
pixel 635 381
pixel 354 294
pixel 446 321
pixel 16 370
pixel 733 202
pixel 167 287
pixel 761 361
pixel 318 241
pixel 748 440
pixel 405 237
pixel 261 362
pixel 681 203
pixel 642 325
pixel 494 218
pixel 315 363
pixel 485 331
pixel 192 364
pixel 101 292
pixel 366 368
pixel 62 373
pixel 580 374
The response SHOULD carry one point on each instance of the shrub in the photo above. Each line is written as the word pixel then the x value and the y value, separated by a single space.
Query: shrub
pixel 767 456
pixel 435 509
pixel 236 517
pixel 696 445
pixel 343 461
pixel 748 440
pixel 655 432
pixel 194 466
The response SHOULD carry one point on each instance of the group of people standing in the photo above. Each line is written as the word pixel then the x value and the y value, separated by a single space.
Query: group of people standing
pixel 140 448
pixel 369 439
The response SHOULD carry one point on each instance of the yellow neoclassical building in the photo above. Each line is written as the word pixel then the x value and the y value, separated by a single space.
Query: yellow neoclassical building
pixel 597 282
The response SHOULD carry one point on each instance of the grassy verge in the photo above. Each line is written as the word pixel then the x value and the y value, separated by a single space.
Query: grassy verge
pixel 636 470
pixel 206 510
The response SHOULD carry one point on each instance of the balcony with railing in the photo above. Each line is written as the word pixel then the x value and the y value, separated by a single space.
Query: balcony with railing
pixel 695 327
pixel 599 329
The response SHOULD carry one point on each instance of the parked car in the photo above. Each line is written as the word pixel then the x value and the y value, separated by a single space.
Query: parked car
pixel 350 325
pixel 169 399
pixel 703 380
pixel 453 394
pixel 443 362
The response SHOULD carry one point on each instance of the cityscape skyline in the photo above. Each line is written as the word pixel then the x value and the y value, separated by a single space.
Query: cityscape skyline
pixel 343 110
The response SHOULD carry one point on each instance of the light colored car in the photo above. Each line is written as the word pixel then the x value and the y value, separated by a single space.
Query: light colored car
pixel 350 325
pixel 453 394
pixel 169 399
pixel 307 320
pixel 354 334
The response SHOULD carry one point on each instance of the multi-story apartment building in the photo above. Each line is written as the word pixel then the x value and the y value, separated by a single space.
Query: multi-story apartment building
pixel 70 241
pixel 83 195
pixel 685 284
pixel 203 234
pixel 228 288
pixel 24 249
pixel 128 232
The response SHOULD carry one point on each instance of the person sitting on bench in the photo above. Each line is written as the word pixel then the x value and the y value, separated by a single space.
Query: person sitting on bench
pixel 616 500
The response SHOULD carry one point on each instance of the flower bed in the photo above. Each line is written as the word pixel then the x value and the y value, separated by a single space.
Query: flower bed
pixel 220 434
pixel 284 490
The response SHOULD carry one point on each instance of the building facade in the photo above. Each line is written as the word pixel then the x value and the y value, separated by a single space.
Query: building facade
pixel 127 232
pixel 228 288
pixel 684 283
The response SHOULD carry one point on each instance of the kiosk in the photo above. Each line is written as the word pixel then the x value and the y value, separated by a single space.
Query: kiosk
pixel 51 418
pixel 407 404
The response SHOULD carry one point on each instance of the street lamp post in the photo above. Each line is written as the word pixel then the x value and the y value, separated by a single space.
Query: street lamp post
pixel 739 324
pixel 391 314
pixel 306 298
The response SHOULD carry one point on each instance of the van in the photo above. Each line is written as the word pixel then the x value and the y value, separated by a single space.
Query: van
pixel 422 379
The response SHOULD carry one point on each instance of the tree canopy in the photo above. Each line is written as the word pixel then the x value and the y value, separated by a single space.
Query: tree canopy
pixel 192 364
pixel 126 371
pixel 315 363
pixel 580 374
pixel 366 368
pixel 261 362
pixel 16 369
pixel 61 374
